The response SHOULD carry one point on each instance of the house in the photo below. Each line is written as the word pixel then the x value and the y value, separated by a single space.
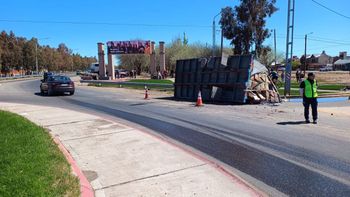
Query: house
pixel 343 62
pixel 316 61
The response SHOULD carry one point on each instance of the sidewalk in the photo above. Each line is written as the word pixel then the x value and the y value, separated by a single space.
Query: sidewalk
pixel 121 161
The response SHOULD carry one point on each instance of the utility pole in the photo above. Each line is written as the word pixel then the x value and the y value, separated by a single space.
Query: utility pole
pixel 36 58
pixel 275 48
pixel 222 41
pixel 36 54
pixel 289 47
pixel 214 37
pixel 305 59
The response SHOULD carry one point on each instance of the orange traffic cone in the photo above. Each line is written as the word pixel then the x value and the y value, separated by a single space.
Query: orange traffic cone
pixel 146 93
pixel 199 100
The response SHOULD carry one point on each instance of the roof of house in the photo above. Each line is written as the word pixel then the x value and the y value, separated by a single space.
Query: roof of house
pixel 342 62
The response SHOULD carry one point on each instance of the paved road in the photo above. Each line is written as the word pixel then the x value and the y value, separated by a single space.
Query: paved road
pixel 297 160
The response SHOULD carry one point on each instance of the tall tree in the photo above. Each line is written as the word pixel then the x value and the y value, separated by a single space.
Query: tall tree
pixel 29 54
pixel 245 24
pixel 18 52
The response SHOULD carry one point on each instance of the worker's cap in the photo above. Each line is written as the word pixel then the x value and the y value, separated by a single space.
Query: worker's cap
pixel 310 74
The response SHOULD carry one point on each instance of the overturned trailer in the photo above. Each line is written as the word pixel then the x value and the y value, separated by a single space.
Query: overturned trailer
pixel 237 79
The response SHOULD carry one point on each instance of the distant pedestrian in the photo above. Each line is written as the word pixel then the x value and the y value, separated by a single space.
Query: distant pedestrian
pixel 282 75
pixel 301 78
pixel 132 73
pixel 297 74
pixel 274 76
pixel 308 89
pixel 159 75
pixel 117 74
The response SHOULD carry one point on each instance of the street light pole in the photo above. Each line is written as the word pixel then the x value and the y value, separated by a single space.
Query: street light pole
pixel 305 59
pixel 36 55
pixel 214 37
pixel 222 41
pixel 214 33
pixel 36 58
pixel 275 47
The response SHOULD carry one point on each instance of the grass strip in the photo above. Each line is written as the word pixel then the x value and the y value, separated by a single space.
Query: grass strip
pixel 30 162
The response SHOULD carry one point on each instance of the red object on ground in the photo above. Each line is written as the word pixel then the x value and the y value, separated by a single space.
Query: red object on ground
pixel 85 187
pixel 199 100
pixel 146 94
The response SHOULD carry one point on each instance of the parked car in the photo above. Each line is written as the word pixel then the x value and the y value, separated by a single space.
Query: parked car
pixel 57 85
pixel 122 73
pixel 327 68
pixel 94 67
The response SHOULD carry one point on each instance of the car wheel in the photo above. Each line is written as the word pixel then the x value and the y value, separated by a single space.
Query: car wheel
pixel 49 92
pixel 71 93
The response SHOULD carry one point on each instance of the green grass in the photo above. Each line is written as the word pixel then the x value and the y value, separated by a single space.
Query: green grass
pixel 320 87
pixel 296 93
pixel 331 86
pixel 30 162
pixel 160 81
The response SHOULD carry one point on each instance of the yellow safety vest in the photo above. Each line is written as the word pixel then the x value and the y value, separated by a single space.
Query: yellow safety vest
pixel 310 90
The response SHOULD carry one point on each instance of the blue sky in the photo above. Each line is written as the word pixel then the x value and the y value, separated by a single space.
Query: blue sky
pixel 174 17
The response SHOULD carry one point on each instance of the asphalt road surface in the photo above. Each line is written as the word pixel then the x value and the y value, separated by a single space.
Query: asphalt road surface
pixel 273 156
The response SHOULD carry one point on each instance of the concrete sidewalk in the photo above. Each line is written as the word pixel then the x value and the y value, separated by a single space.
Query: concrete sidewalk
pixel 121 161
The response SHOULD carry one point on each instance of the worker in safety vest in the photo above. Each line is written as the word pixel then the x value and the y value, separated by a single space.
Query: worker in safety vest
pixel 308 89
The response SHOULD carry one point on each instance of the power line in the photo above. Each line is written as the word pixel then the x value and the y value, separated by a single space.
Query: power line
pixel 330 39
pixel 101 23
pixel 331 42
pixel 331 10
pixel 319 39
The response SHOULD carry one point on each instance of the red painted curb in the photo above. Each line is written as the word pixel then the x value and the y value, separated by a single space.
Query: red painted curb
pixel 85 187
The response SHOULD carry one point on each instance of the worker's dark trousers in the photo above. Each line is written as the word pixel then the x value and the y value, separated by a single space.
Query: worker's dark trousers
pixel 307 102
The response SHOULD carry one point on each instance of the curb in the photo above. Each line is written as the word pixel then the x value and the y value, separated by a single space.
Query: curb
pixel 85 187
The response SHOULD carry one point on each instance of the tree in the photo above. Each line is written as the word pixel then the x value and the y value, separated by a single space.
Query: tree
pixel 267 56
pixel 185 40
pixel 18 52
pixel 245 25
pixel 139 62
pixel 296 64
pixel 29 54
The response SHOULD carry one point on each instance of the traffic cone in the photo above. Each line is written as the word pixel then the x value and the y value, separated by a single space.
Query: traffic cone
pixel 146 93
pixel 199 102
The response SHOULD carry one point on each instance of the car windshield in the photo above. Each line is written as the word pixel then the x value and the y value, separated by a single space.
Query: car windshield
pixel 59 78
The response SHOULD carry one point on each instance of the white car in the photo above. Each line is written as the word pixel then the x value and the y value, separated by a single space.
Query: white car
pixel 327 68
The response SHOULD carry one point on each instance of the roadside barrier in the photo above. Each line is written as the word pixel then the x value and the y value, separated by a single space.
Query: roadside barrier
pixel 199 102
pixel 146 93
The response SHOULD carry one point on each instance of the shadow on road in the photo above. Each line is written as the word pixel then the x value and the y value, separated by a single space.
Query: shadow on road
pixel 38 94
pixel 44 95
pixel 291 123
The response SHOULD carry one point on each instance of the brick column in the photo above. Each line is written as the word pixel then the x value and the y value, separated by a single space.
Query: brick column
pixel 101 60
pixel 110 67
pixel 162 57
pixel 153 65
